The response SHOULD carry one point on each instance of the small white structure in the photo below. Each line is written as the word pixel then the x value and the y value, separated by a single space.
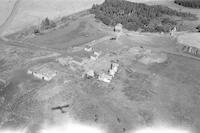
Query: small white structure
pixel 113 69
pixel 77 61
pixel 88 48
pixel 97 53
pixel 112 73
pixel 90 74
pixel 42 72
pixel 114 66
pixel 105 78
pixel 118 28
pixel 173 31
pixel 95 56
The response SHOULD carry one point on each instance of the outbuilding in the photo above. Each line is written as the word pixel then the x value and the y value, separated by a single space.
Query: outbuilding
pixel 113 69
pixel 42 72
pixel 105 78
pixel 90 74
pixel 118 28
pixel 88 48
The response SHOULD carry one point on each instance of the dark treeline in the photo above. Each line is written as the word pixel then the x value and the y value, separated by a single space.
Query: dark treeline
pixel 134 16
pixel 188 3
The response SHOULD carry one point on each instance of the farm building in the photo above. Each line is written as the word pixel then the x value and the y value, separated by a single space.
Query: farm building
pixel 95 56
pixel 42 72
pixel 88 48
pixel 173 31
pixel 105 78
pixel 118 28
pixel 113 69
pixel 97 53
pixel 89 74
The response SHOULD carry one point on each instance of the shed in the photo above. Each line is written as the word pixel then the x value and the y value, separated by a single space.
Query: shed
pixel 90 74
pixel 118 28
pixel 105 78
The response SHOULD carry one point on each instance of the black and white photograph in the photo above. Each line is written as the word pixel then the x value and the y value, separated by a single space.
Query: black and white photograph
pixel 99 66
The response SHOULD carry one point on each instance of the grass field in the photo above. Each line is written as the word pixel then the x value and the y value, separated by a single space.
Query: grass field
pixel 74 34
pixel 35 10
pixel 190 39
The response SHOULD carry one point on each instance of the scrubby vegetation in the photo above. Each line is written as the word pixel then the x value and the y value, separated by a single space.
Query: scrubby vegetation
pixel 134 16
pixel 188 3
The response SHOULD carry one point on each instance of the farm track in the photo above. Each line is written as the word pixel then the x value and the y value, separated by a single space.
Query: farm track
pixel 27 46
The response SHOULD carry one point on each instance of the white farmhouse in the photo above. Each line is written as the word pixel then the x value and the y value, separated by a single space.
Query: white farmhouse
pixel 173 31
pixel 105 78
pixel 113 69
pixel 42 72
pixel 95 56
pixel 90 74
pixel 88 48
pixel 97 53
pixel 118 28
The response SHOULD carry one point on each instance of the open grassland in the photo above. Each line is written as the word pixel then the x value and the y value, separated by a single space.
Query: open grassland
pixel 153 83
pixel 74 33
pixel 190 39
pixel 28 13
pixel 5 9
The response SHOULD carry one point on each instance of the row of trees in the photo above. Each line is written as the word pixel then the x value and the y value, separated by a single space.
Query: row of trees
pixel 188 3
pixel 134 16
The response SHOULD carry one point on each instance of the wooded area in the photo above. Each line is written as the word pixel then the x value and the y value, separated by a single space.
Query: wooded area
pixel 188 3
pixel 135 16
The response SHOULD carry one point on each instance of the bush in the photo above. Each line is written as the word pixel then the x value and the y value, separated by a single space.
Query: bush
pixel 168 21
pixel 36 31
pixel 131 26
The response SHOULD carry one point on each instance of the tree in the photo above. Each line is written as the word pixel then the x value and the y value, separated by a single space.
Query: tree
pixel 47 24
